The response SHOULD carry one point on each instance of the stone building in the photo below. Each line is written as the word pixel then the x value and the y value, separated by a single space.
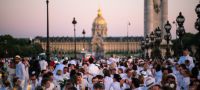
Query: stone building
pixel 155 15
pixel 99 43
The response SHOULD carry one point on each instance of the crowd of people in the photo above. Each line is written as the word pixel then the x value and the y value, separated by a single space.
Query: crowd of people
pixel 113 73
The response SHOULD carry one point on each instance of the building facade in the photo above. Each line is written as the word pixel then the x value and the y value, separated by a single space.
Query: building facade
pixel 98 43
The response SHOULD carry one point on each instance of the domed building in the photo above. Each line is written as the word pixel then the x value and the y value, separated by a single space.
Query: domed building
pixel 99 44
pixel 99 26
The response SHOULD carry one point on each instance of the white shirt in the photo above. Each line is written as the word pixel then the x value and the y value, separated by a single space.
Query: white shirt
pixel 20 71
pixel 115 86
pixel 183 58
pixel 158 76
pixel 43 64
pixel 58 67
pixel 83 85
pixel 34 85
pixel 107 82
pixel 93 69
pixel 58 78
pixel 185 83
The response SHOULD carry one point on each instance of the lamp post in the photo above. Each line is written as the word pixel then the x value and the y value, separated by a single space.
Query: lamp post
pixel 180 30
pixel 147 46
pixel 47 46
pixel 83 32
pixel 74 22
pixel 197 26
pixel 168 37
pixel 143 48
pixel 158 40
pixel 174 22
pixel 152 38
pixel 128 38
pixel 197 23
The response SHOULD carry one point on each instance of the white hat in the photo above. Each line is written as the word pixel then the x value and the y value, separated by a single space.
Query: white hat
pixel 144 73
pixel 72 62
pixel 149 82
pixel 17 56
pixel 66 58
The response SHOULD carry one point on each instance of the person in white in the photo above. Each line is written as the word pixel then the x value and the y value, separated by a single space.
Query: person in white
pixel 33 81
pixel 185 81
pixel 43 64
pixel 60 67
pixel 81 84
pixel 26 74
pixel 107 79
pixel 185 57
pixel 116 82
pixel 92 68
pixel 20 71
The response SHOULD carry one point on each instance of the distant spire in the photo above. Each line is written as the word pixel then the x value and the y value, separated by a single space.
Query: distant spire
pixel 99 12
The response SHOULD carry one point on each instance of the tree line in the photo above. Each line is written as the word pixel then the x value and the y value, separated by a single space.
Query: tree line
pixel 10 46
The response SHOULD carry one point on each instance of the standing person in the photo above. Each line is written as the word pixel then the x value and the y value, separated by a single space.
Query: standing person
pixel 116 85
pixel 34 66
pixel 93 69
pixel 45 85
pixel 81 84
pixel 20 71
pixel 185 57
pixel 26 73
pixel 107 79
pixel 33 81
pixel 16 84
pixel 43 64
pixel 185 80
pixel 60 67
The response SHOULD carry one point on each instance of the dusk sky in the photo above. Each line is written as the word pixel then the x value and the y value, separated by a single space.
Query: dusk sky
pixel 27 18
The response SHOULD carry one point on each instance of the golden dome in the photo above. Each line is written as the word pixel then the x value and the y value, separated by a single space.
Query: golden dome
pixel 99 19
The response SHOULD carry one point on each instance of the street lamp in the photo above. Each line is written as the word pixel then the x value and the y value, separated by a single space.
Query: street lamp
pixel 152 38
pixel 168 37
pixel 158 40
pixel 180 19
pixel 197 23
pixel 47 46
pixel 83 32
pixel 147 46
pixel 143 47
pixel 128 38
pixel 197 26
pixel 180 30
pixel 74 22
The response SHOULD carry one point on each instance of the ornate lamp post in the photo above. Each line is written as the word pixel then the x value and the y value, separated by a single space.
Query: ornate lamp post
pixel 152 45
pixel 168 37
pixel 152 38
pixel 158 40
pixel 197 23
pixel 74 22
pixel 174 22
pixel 197 26
pixel 47 46
pixel 143 48
pixel 147 46
pixel 83 32
pixel 180 30
pixel 128 37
